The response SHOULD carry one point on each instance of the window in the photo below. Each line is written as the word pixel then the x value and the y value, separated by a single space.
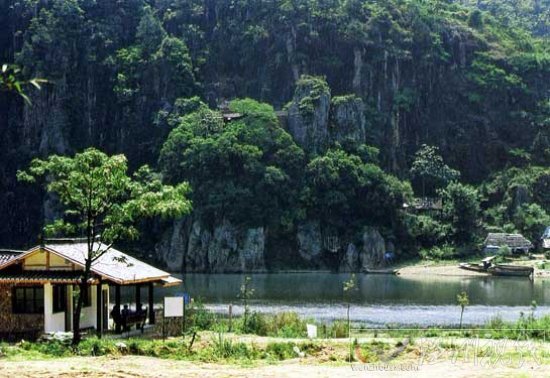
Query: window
pixel 59 298
pixel 28 300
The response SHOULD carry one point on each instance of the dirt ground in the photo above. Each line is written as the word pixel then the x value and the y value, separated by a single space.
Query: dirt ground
pixel 136 366
pixel 437 270
pixel 453 270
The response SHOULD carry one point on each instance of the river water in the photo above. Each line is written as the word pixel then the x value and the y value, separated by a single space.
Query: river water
pixel 379 299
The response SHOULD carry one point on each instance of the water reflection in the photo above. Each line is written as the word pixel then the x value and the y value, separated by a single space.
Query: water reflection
pixel 308 288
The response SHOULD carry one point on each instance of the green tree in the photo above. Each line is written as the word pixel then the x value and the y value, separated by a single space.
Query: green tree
pixel 150 32
pixel 428 167
pixel 475 20
pixel 462 300
pixel 103 203
pixel 461 211
pixel 346 192
pixel 12 81
pixel 246 292
pixel 531 220
pixel 349 287
pixel 241 171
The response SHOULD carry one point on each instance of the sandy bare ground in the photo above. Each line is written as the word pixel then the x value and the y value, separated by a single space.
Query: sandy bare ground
pixel 454 271
pixel 141 367
pixel 437 270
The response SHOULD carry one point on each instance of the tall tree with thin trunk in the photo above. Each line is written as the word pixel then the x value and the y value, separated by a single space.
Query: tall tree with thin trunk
pixel 102 203
pixel 349 287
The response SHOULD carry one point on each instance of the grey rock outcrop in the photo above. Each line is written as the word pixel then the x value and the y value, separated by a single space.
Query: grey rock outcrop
pixel 372 253
pixel 310 243
pixel 308 114
pixel 347 119
pixel 225 249
pixel 350 259
pixel 172 247
pixel 189 246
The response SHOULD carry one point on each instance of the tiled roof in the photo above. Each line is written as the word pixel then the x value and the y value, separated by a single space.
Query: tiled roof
pixel 6 256
pixel 39 276
pixel 510 240
pixel 112 265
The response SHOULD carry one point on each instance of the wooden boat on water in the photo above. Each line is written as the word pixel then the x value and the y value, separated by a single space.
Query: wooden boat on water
pixel 481 267
pixel 511 270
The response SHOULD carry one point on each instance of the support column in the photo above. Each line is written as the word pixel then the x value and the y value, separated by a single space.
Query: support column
pixel 151 304
pixel 99 309
pixel 138 296
pixel 118 328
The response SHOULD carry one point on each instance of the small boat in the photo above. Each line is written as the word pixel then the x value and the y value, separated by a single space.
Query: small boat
pixel 473 267
pixel 511 270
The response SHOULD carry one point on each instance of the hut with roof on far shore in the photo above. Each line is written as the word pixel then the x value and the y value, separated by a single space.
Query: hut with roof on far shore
pixel 517 243
pixel 545 239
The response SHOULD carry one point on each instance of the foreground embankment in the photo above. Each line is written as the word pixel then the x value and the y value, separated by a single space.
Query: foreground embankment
pixel 252 356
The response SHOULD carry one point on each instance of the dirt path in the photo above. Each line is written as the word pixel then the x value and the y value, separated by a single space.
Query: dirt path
pixel 147 367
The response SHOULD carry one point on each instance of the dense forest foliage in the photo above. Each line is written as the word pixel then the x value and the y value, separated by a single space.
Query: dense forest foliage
pixel 347 111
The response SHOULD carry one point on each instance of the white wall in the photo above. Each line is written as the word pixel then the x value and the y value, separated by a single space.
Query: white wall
pixel 56 322
pixel 89 314
pixel 52 322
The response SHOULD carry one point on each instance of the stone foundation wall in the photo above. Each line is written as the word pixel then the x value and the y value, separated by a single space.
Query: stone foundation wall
pixel 16 324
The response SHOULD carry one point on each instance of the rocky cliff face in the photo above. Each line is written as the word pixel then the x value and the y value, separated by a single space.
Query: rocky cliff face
pixel 347 119
pixel 308 114
pixel 191 247
pixel 315 120
pixel 225 249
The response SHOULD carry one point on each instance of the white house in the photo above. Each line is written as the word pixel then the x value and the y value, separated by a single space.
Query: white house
pixel 36 289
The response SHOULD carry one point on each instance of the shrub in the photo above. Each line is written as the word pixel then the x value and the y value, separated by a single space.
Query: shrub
pixel 339 329
pixel 223 348
pixel 97 347
pixel 438 253
pixel 281 351
pixel 288 324
pixel 256 324
pixel 198 317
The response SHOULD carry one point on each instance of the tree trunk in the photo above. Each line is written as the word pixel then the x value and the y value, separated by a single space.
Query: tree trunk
pixel 83 287
pixel 349 336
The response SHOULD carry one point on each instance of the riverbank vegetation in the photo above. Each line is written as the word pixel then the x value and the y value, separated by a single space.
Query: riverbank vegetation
pixel 216 344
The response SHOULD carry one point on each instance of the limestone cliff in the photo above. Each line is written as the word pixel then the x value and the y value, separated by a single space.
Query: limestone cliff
pixel 224 249
pixel 189 246
pixel 308 114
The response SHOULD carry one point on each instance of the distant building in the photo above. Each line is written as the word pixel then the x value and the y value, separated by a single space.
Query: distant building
pixel 545 239
pixel 516 242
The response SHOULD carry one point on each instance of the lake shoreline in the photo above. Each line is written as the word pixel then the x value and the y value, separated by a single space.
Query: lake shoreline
pixel 413 269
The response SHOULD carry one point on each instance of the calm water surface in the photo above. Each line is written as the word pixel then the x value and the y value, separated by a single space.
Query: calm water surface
pixel 380 299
